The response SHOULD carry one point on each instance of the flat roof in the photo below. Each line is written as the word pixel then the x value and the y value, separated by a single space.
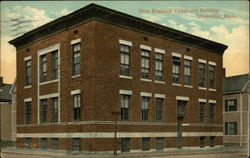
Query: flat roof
pixel 100 13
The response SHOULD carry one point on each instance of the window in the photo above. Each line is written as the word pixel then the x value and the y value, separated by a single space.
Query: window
pixel 27 142
pixel 28 73
pixel 201 75
pixel 159 67
pixel 231 105
pixel 159 143
pixel 181 108
pixel 54 143
pixel 211 141
pixel 202 111
pixel 187 72
pixel 125 144
pixel 159 105
pixel 211 76
pixel 76 59
pixel 27 112
pixel 43 110
pixel 125 104
pixel 230 128
pixel 144 64
pixel 145 144
pixel 176 69
pixel 76 108
pixel 212 112
pixel 145 108
pixel 55 65
pixel 55 109
pixel 43 68
pixel 125 60
pixel 76 144
pixel 43 143
pixel 202 142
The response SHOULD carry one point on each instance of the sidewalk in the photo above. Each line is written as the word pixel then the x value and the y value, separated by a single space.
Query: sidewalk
pixel 172 152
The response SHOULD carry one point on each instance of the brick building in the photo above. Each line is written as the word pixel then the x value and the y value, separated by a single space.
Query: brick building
pixel 235 113
pixel 80 73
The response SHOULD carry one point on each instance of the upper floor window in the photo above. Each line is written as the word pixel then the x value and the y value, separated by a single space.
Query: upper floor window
pixel 76 59
pixel 212 112
pixel 55 65
pixel 125 104
pixel 201 74
pixel 55 109
pixel 211 76
pixel 145 108
pixel 76 107
pixel 202 111
pixel 28 72
pixel 159 106
pixel 43 110
pixel 176 69
pixel 159 67
pixel 187 72
pixel 145 64
pixel 181 108
pixel 231 105
pixel 43 68
pixel 124 60
pixel 27 112
pixel 230 128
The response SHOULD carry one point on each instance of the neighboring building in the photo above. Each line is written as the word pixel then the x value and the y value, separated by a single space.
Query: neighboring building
pixel 6 109
pixel 235 114
pixel 76 73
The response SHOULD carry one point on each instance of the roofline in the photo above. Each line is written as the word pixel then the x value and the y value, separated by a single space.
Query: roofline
pixel 157 28
pixel 12 87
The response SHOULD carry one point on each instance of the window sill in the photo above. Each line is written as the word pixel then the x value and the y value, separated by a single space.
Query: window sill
pixel 25 87
pixel 176 84
pixel 75 76
pixel 202 88
pixel 146 80
pixel 47 82
pixel 210 89
pixel 127 77
pixel 188 86
pixel 161 82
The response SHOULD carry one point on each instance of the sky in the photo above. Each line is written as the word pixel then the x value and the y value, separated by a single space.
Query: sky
pixel 226 22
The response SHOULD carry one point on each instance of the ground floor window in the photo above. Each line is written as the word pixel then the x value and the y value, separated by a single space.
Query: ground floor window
pixel 27 142
pixel 125 144
pixel 145 144
pixel 54 143
pixel 202 142
pixel 43 143
pixel 76 144
pixel 211 141
pixel 159 143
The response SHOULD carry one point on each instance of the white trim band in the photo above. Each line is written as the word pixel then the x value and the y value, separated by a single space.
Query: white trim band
pixel 160 95
pixel 126 92
pixel 202 100
pixel 202 61
pixel 212 63
pixel 128 43
pixel 27 99
pixel 145 47
pixel 145 94
pixel 49 49
pixel 212 101
pixel 52 95
pixel 78 40
pixel 188 57
pixel 119 134
pixel 77 91
pixel 176 54
pixel 182 98
pixel 27 58
pixel 157 50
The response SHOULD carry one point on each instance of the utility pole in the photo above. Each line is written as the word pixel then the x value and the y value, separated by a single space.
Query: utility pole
pixel 115 141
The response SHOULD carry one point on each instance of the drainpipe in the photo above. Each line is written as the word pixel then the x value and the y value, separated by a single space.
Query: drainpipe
pixel 241 113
